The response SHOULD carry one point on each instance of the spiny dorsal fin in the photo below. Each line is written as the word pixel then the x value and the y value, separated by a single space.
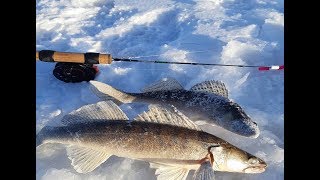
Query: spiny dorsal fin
pixel 164 172
pixel 85 159
pixel 166 115
pixel 216 87
pixel 104 110
pixel 165 84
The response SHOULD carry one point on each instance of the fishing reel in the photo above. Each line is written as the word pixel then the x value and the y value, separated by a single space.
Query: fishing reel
pixel 74 67
pixel 74 72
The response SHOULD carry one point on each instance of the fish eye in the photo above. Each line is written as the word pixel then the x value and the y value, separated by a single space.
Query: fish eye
pixel 253 160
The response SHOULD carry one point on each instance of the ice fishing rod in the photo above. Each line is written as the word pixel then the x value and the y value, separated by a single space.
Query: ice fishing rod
pixel 77 67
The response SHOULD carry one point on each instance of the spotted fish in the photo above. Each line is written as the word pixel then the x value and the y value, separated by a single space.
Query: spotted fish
pixel 206 102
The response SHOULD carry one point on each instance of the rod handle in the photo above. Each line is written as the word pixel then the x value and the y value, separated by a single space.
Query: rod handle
pixel 85 58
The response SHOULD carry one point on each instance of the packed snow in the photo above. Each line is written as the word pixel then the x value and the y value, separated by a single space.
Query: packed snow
pixel 247 32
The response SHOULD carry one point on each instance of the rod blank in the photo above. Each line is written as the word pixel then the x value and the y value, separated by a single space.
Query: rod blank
pixel 97 58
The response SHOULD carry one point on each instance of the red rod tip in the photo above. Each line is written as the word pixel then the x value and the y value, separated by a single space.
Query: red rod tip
pixel 264 68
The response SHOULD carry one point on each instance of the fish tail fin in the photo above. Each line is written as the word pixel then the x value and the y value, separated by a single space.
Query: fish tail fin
pixel 107 92
pixel 39 139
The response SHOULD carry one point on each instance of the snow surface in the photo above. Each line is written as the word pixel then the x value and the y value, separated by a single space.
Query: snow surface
pixel 209 31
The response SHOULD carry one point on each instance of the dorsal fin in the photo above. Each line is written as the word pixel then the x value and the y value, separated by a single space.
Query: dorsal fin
pixel 165 84
pixel 166 115
pixel 104 110
pixel 215 87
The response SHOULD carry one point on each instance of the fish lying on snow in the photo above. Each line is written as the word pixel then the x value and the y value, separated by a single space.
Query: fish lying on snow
pixel 167 139
pixel 207 102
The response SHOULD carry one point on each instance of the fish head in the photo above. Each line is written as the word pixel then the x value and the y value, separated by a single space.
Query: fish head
pixel 243 162
pixel 233 118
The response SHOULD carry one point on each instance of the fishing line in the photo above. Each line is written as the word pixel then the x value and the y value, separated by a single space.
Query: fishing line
pixel 260 67
pixel 157 55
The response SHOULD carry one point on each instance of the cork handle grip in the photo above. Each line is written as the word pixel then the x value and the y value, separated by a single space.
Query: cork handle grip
pixel 86 58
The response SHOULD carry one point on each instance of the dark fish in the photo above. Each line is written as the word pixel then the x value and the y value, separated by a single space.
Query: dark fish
pixel 207 102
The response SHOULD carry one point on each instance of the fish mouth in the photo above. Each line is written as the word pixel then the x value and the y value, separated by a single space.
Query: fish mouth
pixel 256 169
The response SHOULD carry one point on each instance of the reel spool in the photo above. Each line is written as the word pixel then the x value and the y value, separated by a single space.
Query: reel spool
pixel 74 72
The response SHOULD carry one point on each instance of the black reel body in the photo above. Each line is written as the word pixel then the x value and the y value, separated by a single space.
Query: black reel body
pixel 74 72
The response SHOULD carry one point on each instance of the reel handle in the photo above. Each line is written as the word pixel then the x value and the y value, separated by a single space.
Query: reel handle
pixel 84 58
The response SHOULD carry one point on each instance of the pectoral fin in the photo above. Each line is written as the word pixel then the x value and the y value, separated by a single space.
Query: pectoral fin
pixel 85 159
pixel 164 172
pixel 204 172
